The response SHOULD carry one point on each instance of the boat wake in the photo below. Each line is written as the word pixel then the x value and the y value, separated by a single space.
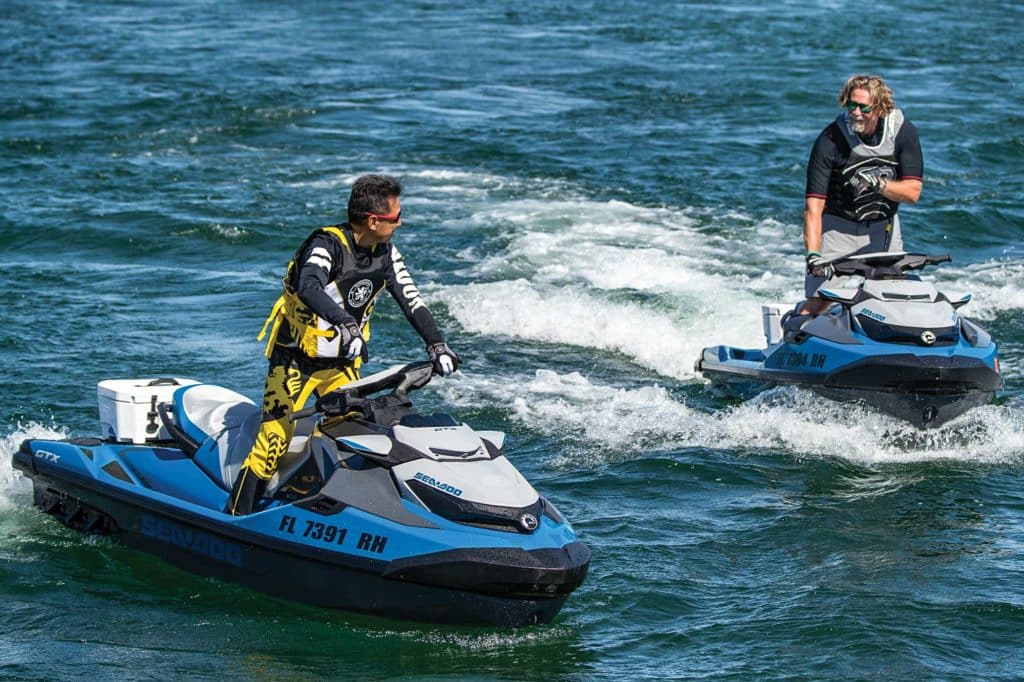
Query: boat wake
pixel 568 276
pixel 15 489
pixel 602 424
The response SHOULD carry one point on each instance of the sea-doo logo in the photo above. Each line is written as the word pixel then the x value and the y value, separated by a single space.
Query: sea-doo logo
pixel 529 522
pixel 191 539
pixel 928 337
pixel 431 481
pixel 872 314
pixel 48 456
pixel 360 293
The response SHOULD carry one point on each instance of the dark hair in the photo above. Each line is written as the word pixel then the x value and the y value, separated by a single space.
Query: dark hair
pixel 370 194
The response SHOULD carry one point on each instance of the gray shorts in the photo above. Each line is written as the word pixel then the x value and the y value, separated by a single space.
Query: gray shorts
pixel 841 237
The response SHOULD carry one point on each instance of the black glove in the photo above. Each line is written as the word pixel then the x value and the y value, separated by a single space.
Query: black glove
pixel 333 404
pixel 862 182
pixel 339 402
pixel 352 344
pixel 818 266
pixel 444 359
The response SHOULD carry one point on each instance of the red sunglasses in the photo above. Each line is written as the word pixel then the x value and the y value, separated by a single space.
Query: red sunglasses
pixel 390 218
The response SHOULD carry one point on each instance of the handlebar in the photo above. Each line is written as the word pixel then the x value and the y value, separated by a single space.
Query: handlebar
pixel 886 265
pixel 301 414
pixel 400 379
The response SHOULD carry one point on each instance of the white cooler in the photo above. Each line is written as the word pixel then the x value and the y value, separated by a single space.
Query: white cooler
pixel 128 408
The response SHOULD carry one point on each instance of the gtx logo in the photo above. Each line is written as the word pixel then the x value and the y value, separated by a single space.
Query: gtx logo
pixel 48 456
pixel 928 337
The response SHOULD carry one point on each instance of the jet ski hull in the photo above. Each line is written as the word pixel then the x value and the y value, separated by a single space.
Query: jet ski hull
pixel 294 551
pixel 925 389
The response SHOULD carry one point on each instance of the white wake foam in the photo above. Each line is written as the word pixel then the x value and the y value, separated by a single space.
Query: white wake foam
pixel 15 489
pixel 597 424
pixel 650 283
pixel 803 423
pixel 616 245
pixel 994 286
pixel 518 311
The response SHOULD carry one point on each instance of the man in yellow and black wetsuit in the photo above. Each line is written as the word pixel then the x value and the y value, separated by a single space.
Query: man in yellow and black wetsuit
pixel 319 326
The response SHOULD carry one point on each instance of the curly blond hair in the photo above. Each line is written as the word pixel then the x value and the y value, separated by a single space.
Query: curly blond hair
pixel 881 95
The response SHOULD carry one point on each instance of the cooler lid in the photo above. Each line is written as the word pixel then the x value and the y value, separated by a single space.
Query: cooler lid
pixel 140 390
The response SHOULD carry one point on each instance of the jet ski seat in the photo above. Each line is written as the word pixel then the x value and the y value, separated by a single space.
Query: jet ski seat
pixel 223 425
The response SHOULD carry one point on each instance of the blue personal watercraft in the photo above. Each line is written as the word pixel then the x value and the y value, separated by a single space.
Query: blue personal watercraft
pixel 375 508
pixel 888 339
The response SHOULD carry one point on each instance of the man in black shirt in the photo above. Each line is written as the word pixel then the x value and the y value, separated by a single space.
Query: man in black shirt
pixel 862 166
pixel 320 325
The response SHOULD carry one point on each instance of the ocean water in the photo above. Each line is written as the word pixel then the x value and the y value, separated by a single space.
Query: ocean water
pixel 594 192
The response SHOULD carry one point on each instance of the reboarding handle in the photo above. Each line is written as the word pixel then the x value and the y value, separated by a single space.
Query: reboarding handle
pixel 400 379
pixel 886 265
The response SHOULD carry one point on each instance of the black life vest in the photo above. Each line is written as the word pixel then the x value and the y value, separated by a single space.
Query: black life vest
pixel 845 198
pixel 354 284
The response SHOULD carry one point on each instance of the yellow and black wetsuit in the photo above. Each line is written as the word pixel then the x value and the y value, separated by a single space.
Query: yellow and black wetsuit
pixel 331 282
